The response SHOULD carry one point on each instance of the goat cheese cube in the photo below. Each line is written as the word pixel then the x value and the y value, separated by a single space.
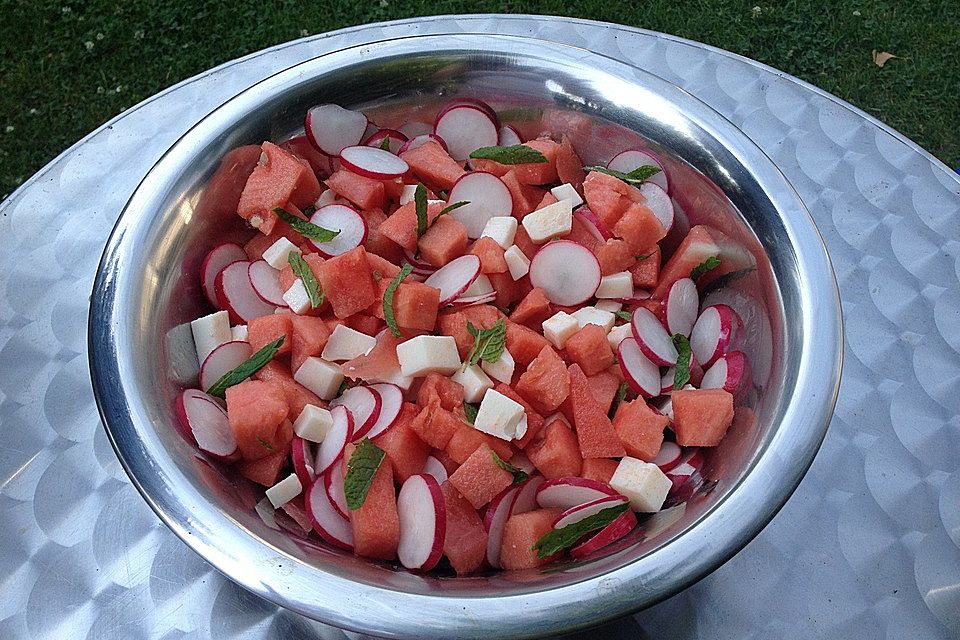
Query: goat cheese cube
pixel 480 287
pixel 616 285
pixel 609 305
pixel 320 376
pixel 296 297
pixel 592 315
pixel 276 254
pixel 407 194
pixel 346 344
pixel 209 332
pixel 428 354
pixel 239 332
pixel 618 334
pixel 517 262
pixel 284 491
pixel 397 378
pixel 313 423
pixel 502 229
pixel 502 369
pixel 264 509
pixel 499 416
pixel 642 483
pixel 559 327
pixel 474 381
pixel 566 191
pixel 553 220
pixel 327 197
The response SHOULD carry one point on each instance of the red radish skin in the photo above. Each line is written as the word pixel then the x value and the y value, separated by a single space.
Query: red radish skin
pixel 237 295
pixel 508 136
pixel 343 218
pixel 336 439
pixel 640 373
pixel 417 263
pixel 653 339
pixel 333 484
pixel 582 511
pixel 712 334
pixel 614 531
pixel 681 306
pixel 527 497
pixel 727 373
pixel 659 203
pixel 215 262
pixel 265 280
pixel 423 522
pixel 593 224
pixel 396 139
pixel 571 492
pixel 391 402
pixel 455 277
pixel 668 457
pixel 330 128
pixel 373 162
pixel 325 519
pixel 226 357
pixel 488 196
pixel 301 452
pixel 420 140
pixel 364 405
pixel 499 509
pixel 436 469
pixel 465 129
pixel 476 104
pixel 207 425
pixel 568 273
pixel 474 300
pixel 631 159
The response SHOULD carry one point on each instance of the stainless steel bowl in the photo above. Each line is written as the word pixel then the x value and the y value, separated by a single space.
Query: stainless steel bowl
pixel 146 288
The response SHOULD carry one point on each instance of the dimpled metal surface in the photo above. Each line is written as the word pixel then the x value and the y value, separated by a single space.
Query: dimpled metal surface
pixel 868 547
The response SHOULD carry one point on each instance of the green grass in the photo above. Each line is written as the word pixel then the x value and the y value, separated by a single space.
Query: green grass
pixel 66 67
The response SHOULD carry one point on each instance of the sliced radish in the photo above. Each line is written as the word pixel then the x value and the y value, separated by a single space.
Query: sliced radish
pixel 666 381
pixel 668 457
pixel 593 224
pixel 215 262
pixel 325 519
pixel 396 139
pixel 336 439
pixel 642 375
pixel 420 140
pixel 572 491
pixel 391 402
pixel 415 128
pixel 681 306
pixel 498 511
pixel 436 469
pixel 727 373
pixel 653 339
pixel 330 128
pixel 508 136
pixel 423 522
pixel 226 357
pixel 373 162
pixel 659 203
pixel 206 423
pixel 639 295
pixel 464 301
pixel 631 159
pixel 455 277
pixel 712 334
pixel 265 280
pixel 303 462
pixel 480 287
pixel 465 129
pixel 527 498
pixel 364 405
pixel 488 196
pixel 237 295
pixel 417 263
pixel 476 104
pixel 333 483
pixel 616 530
pixel 345 219
pixel 582 511
pixel 568 273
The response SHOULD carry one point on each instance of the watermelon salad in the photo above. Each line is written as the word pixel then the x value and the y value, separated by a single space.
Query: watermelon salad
pixel 445 344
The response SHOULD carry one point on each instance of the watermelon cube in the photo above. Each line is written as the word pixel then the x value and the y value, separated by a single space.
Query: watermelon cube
pixel 594 430
pixel 433 165
pixel 479 478
pixel 701 417
pixel 589 348
pixel 256 409
pixel 376 524
pixel 546 383
pixel 465 543
pixel 555 451
pixel 640 429
pixel 403 446
pixel 362 191
pixel 347 282
pixel 445 240
pixel 520 533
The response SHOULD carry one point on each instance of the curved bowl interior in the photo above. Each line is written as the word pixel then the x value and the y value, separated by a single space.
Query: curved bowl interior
pixel 147 288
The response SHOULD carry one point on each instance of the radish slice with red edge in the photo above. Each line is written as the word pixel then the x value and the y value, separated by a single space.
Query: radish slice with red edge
pixel 488 197
pixel 206 423
pixel 423 522
pixel 522 462
pixel 347 220
pixel 666 381
pixel 616 530
pixel 712 334
pixel 216 261
pixel 631 159
pixel 417 263
pixel 726 373
pixel 391 402
pixel 333 483
pixel 237 295
pixel 527 498
pixel 465 129
pixel 508 136
pixel 415 128
pixel 668 457
pixel 653 339
pixel 224 358
pixel 396 139
pixel 494 520
pixel 639 295
pixel 480 287
pixel 572 491
pixel 325 519
pixel 567 272
pixel 436 469
pixel 364 404
pixel 330 128
pixel 642 375
pixel 581 511
pixel 681 306
pixel 265 280
pixel 301 452
pixel 341 432
pixel 373 162
pixel 420 140
pixel 455 277
pixel 592 223
pixel 470 301
pixel 472 102
pixel 659 203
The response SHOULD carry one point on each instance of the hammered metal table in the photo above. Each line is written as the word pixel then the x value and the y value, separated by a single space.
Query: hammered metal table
pixel 868 546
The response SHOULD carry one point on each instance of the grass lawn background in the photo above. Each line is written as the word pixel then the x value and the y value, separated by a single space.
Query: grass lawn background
pixel 67 66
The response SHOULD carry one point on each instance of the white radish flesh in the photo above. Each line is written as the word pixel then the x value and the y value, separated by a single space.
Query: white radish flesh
pixel 681 306
pixel 488 196
pixel 642 375
pixel 465 301
pixel 265 280
pixel 568 273
pixel 659 203
pixel 330 128
pixel 573 491
pixel 727 372
pixel 593 224
pixel 301 452
pixel 226 357
pixel 391 402
pixel 653 339
pixel 325 519
pixel 476 104
pixel 712 333
pixel 498 511
pixel 455 277
pixel 336 439
pixel 347 220
pixel 237 295
pixel 668 457
pixel 632 159
pixel 423 522
pixel 527 497
pixel 364 405
pixel 333 484
pixel 373 162
pixel 415 128
pixel 508 136
pixel 582 511
pixel 436 469
pixel 215 262
pixel 396 139
pixel 465 129
pixel 418 141
pixel 207 423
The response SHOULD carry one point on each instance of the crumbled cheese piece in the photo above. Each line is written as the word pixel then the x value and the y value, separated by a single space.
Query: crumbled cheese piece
pixel 502 229
pixel 642 483
pixel 346 344
pixel 277 253
pixel 285 490
pixel 616 285
pixel 320 376
pixel 553 220
pixel 567 191
pixel 499 416
pixel 517 262
pixel 428 354
pixel 313 423
pixel 502 369
pixel 592 315
pixel 296 297
pixel 559 327
pixel 209 332
pixel 474 381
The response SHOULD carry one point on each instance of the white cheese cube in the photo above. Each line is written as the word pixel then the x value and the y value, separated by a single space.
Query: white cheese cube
pixel 407 194
pixel 285 490
pixel 499 416
pixel 502 369
pixel 209 332
pixel 327 197
pixel 609 305
pixel 553 220
pixel 296 297
pixel 239 332
pixel 320 376
pixel 428 354
pixel 618 334
pixel 313 423
pixel 265 510
pixel 522 427
pixel 592 315
pixel 559 327
pixel 566 191
pixel 346 344
pixel 642 483
pixel 480 287
pixel 276 254
pixel 474 381
pixel 502 229
pixel 517 262
pixel 616 285
pixel 396 377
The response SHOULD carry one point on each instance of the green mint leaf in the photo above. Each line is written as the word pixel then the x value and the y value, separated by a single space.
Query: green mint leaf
pixel 488 344
pixel 514 154
pixel 519 475
pixel 451 207
pixel 636 177
pixel 306 229
pixel 681 374
pixel 263 443
pixel 644 257
pixel 385 143
pixel 560 539
pixel 388 314
pixel 617 399
pixel 707 265
pixel 471 412
pixel 343 387
pixel 302 270
pixel 420 202
pixel 623 315
pixel 246 369
pixel 361 468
